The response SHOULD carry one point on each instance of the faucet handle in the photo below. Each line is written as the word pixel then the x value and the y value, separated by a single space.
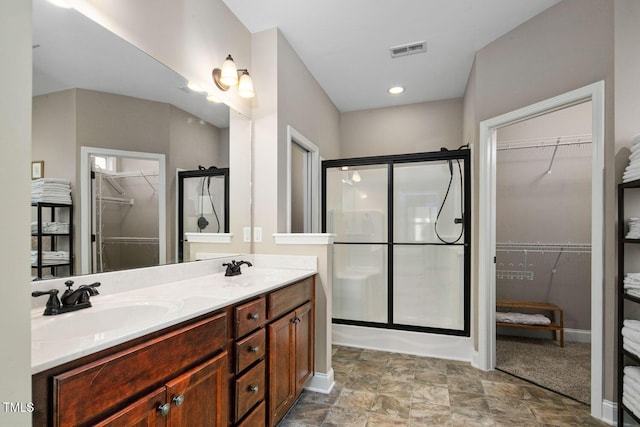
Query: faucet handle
pixel 53 303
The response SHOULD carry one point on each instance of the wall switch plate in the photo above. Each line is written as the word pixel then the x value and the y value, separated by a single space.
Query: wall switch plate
pixel 246 234
pixel 257 234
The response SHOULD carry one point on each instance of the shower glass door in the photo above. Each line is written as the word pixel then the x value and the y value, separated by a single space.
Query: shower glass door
pixel 428 253
pixel 401 253
pixel 356 211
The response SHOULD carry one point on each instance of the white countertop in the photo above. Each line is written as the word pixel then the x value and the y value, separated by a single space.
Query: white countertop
pixel 120 317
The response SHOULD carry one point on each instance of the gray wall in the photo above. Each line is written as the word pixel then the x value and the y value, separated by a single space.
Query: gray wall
pixel 15 140
pixel 568 46
pixel 65 121
pixel 410 128
pixel 533 206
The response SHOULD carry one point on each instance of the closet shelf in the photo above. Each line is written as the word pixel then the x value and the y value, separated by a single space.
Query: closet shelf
pixel 119 200
pixel 552 141
pixel 132 240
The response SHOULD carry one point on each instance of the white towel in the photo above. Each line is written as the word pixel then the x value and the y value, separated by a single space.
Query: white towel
pixel 633 372
pixel 632 324
pixel 521 318
pixel 631 337
pixel 631 390
pixel 634 349
pixel 634 292
pixel 633 166
pixel 631 404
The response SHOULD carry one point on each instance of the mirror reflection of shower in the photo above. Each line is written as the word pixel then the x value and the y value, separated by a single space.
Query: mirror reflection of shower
pixel 203 203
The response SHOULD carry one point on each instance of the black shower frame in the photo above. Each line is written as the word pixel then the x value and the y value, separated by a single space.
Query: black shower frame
pixel 200 173
pixel 461 154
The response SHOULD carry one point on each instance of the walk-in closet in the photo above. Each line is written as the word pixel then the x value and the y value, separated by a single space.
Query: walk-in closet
pixel 125 213
pixel 543 250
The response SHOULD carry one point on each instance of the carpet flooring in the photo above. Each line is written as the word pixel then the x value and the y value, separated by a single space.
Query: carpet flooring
pixel 566 370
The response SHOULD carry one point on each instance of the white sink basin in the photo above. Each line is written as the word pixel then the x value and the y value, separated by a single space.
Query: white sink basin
pixel 100 319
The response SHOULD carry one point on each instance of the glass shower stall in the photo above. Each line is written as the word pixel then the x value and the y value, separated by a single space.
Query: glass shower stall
pixel 401 252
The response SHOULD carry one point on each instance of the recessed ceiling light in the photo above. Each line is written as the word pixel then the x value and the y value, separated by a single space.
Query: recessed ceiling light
pixel 61 3
pixel 195 87
pixel 212 98
pixel 396 90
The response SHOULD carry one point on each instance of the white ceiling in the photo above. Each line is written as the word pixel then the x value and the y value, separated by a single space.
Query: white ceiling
pixel 345 43
pixel 74 52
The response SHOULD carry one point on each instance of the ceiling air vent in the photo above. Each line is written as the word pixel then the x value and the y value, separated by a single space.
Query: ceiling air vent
pixel 408 49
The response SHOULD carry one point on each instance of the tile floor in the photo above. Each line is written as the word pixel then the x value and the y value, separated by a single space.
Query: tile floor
pixel 375 388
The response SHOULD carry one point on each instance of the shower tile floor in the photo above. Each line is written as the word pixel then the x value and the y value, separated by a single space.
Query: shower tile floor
pixel 375 388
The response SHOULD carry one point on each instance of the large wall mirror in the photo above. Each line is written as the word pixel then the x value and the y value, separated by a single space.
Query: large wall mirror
pixel 93 92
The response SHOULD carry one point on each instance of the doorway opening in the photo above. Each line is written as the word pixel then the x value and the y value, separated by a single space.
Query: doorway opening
pixel 303 184
pixel 486 356
pixel 543 250
pixel 123 209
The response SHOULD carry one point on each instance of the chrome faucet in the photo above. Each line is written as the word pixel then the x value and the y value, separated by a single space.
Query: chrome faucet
pixel 233 267
pixel 71 300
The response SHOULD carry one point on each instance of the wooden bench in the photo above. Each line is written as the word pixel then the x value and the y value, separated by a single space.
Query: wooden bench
pixel 535 306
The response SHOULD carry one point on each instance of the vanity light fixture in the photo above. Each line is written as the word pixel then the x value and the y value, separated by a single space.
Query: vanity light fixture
pixel 396 90
pixel 229 75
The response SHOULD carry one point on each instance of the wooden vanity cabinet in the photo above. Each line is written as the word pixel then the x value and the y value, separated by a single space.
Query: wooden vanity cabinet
pixel 195 398
pixel 291 347
pixel 244 365
pixel 125 386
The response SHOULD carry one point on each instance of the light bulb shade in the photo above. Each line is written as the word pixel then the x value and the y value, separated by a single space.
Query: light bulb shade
pixel 229 72
pixel 245 86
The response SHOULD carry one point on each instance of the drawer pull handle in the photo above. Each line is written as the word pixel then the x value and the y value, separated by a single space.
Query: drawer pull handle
pixel 253 349
pixel 164 409
pixel 178 400
pixel 253 388
pixel 254 316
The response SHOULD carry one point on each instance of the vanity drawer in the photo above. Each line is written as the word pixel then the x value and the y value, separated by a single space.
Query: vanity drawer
pixel 256 418
pixel 285 300
pixel 117 377
pixel 249 389
pixel 250 350
pixel 250 316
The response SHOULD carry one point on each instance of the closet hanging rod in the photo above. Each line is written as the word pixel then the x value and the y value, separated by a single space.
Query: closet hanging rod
pixel 130 174
pixel 542 244
pixel 120 200
pixel 544 142
pixel 547 251
pixel 136 240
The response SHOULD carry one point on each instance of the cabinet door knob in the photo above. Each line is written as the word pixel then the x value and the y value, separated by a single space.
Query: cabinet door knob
pixel 253 388
pixel 254 316
pixel 296 320
pixel 253 349
pixel 164 409
pixel 178 400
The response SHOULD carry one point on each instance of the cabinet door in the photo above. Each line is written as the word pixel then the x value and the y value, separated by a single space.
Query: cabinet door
pixel 304 345
pixel 143 413
pixel 199 396
pixel 281 367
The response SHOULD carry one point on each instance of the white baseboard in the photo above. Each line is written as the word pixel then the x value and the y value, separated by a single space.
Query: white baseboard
pixel 321 382
pixel 577 335
pixel 421 344
pixel 609 412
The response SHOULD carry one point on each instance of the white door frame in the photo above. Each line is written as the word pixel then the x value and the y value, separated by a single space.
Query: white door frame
pixel 85 200
pixel 312 192
pixel 487 229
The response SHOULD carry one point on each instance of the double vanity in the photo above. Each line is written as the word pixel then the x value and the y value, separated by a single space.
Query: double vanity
pixel 209 350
